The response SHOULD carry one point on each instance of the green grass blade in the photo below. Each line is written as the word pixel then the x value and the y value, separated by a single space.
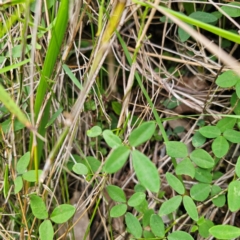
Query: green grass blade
pixel 72 77
pixel 13 66
pixel 6 99
pixel 53 51
pixel 218 31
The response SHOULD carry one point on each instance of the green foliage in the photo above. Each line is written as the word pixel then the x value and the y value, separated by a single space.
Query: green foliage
pixel 38 207
pixel 116 148
pixel 62 213
pixel 141 134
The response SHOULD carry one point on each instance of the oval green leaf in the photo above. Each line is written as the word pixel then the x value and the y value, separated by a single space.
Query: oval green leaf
pixel 202 158
pixel 227 79
pixel 190 208
pixel 23 162
pixel 198 139
pixel 38 207
pixel 176 149
pixel 118 210
pixel 133 225
pixel 200 191
pixel 170 206
pixel 203 17
pixel 18 184
pixel 136 199
pixel 226 123
pixel 233 196
pixel 225 231
pixel 232 135
pixel 30 176
pixel 116 159
pixel 146 171
pixel 237 167
pixel 203 227
pixel 80 169
pixel 185 167
pixel 157 226
pixel 203 175
pixel 46 230
pixel 232 9
pixel 179 235
pixel 210 131
pixel 142 133
pixel 62 213
pixel 221 199
pixel 94 131
pixel 175 183
pixel 220 146
pixel 111 139
pixel 116 193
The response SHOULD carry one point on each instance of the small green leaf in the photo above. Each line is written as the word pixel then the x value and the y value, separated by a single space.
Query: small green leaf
pixel 202 158
pixel 23 162
pixel 146 171
pixel 200 191
pixel 111 139
pixel 232 9
pixel 30 176
pixel 143 207
pixel 118 210
pixel 226 123
pixel 185 167
pixel 142 133
pixel 18 184
pixel 227 79
pixel 136 199
pixel 46 231
pixel 117 107
pixel 183 35
pixel 237 167
pixel 146 217
pixel 190 207
pixel 179 235
pixel 80 169
pixel 221 199
pixel 198 139
pixel 234 196
pixel 232 135
pixel 220 146
pixel 94 163
pixel 157 226
pixel 203 175
pixel 237 88
pixel 62 213
pixel 225 231
pixel 203 17
pixel 116 193
pixel 133 225
pixel 175 183
pixel 116 159
pixel 170 206
pixel 235 103
pixel 176 149
pixel 204 226
pixel 94 131
pixel 210 131
pixel 38 207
